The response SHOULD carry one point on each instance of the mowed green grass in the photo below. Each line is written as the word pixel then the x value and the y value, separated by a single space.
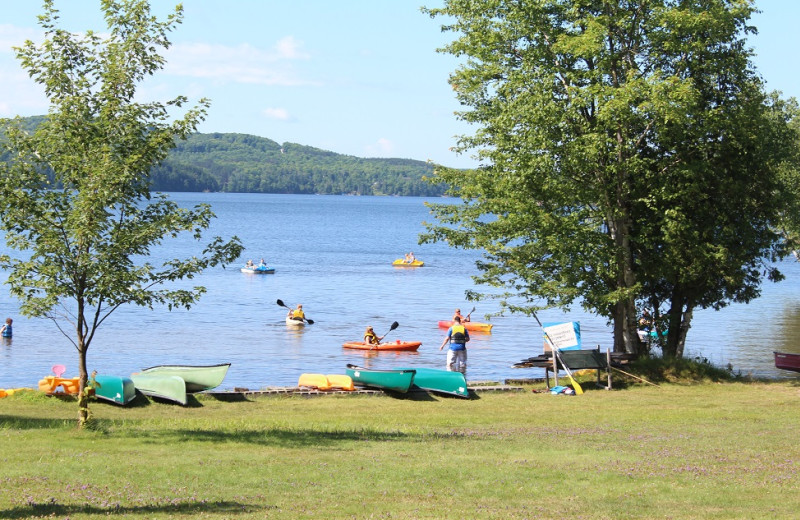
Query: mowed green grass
pixel 697 451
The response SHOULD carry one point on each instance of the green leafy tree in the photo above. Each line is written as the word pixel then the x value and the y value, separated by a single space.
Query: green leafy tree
pixel 80 239
pixel 629 157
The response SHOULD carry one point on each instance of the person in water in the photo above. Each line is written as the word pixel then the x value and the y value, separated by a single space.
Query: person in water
pixel 457 336
pixel 6 331
pixel 458 315
pixel 297 314
pixel 371 338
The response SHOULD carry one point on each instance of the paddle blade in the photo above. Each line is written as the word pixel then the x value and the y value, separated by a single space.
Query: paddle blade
pixel 394 326
pixel 575 385
pixel 280 302
pixel 310 322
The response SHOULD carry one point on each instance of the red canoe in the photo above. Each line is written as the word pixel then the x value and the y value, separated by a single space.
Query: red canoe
pixel 786 361
pixel 396 345
pixel 470 325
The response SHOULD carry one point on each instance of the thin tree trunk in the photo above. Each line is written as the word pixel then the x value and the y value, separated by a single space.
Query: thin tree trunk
pixel 686 324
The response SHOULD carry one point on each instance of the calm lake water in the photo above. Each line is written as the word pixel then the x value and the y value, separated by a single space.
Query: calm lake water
pixel 333 254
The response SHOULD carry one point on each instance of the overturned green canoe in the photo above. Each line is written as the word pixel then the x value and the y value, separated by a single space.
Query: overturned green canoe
pixel 398 380
pixel 117 389
pixel 172 388
pixel 197 377
pixel 441 381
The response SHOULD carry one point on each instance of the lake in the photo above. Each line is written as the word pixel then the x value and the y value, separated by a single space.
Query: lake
pixel 333 254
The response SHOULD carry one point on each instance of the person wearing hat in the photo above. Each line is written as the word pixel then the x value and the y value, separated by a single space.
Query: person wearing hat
pixel 370 337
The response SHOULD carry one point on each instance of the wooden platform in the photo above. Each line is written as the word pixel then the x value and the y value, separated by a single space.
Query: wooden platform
pixel 242 394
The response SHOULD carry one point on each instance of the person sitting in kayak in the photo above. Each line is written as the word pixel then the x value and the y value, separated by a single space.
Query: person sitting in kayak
pixel 371 338
pixel 250 264
pixel 461 318
pixel 297 314
pixel 410 258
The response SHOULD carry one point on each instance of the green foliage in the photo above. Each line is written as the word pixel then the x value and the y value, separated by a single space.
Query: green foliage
pixel 630 158
pixel 246 163
pixel 679 371
pixel 249 164
pixel 74 193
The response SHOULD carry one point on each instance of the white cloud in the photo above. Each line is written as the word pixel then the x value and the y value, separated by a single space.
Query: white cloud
pixel 382 147
pixel 281 114
pixel 239 64
pixel 12 36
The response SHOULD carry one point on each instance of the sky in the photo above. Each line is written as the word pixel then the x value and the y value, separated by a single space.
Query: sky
pixel 356 77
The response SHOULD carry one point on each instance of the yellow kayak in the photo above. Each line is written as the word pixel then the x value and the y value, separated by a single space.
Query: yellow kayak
pixel 402 263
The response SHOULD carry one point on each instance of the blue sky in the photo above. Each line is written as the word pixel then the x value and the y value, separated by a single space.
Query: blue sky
pixel 357 77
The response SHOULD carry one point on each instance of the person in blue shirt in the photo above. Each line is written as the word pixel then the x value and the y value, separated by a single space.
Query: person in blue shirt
pixel 5 331
pixel 457 336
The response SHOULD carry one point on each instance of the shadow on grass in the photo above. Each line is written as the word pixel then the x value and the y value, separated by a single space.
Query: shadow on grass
pixel 54 509
pixel 35 423
pixel 282 437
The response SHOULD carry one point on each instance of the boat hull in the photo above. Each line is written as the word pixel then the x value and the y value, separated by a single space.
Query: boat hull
pixel 117 389
pixel 397 345
pixel 291 322
pixel 171 388
pixel 402 263
pixel 196 377
pixel 399 380
pixel 326 382
pixel 258 270
pixel 787 361
pixel 472 326
pixel 441 381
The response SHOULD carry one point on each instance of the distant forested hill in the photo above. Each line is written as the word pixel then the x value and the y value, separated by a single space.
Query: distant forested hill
pixel 247 163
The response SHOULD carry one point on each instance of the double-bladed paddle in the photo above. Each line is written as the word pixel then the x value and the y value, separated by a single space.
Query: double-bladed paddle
pixel 470 312
pixel 394 326
pixel 280 302
pixel 556 350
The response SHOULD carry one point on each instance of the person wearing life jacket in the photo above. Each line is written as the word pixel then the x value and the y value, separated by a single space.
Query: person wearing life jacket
pixel 297 314
pixel 457 336
pixel 6 331
pixel 371 338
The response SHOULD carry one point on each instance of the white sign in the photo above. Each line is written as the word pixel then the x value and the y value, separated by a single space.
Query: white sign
pixel 565 336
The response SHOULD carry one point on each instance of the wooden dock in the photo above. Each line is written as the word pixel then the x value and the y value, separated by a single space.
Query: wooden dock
pixel 244 394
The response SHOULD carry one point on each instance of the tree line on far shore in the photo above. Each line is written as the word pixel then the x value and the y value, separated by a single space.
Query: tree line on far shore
pixel 243 163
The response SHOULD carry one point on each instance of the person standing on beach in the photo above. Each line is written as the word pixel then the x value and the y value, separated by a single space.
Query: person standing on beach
pixel 457 336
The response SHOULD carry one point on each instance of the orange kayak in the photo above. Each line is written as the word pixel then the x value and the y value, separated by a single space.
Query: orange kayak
pixel 396 345
pixel 469 325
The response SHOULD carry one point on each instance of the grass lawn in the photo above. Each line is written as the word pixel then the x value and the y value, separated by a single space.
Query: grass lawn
pixel 725 450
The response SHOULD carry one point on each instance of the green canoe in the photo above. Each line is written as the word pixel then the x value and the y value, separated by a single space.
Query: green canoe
pixel 117 389
pixel 197 377
pixel 398 380
pixel 168 387
pixel 441 381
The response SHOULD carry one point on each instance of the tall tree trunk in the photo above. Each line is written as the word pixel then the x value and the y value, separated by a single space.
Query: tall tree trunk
pixel 681 312
pixel 686 324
